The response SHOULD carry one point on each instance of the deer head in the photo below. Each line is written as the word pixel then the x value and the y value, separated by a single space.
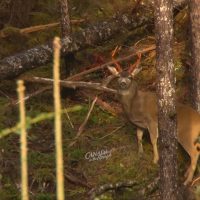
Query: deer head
pixel 125 78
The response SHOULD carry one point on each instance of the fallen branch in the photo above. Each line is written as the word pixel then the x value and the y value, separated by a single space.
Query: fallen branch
pixel 81 128
pixel 76 181
pixel 104 188
pixel 145 191
pixel 103 105
pixel 73 84
pixel 27 97
pixel 4 34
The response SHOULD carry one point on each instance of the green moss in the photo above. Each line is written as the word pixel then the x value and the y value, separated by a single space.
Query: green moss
pixel 11 31
pixel 38 18
pixel 38 159
pixel 9 192
pixel 75 192
pixel 77 154
pixel 45 196
pixel 43 176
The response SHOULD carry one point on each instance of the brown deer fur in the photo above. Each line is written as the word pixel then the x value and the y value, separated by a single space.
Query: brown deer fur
pixel 141 109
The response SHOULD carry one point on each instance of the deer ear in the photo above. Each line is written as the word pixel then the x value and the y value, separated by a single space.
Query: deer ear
pixel 135 72
pixel 113 70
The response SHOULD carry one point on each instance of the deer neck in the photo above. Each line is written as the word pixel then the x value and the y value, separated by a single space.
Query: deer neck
pixel 127 97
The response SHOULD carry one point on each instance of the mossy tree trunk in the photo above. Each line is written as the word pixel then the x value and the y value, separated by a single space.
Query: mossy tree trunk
pixel 166 100
pixel 194 6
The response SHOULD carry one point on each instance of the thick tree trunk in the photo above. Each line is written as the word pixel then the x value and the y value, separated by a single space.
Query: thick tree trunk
pixel 194 6
pixel 166 100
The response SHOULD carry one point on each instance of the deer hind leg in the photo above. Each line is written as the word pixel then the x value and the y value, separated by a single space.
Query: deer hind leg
pixel 139 138
pixel 153 131
pixel 190 171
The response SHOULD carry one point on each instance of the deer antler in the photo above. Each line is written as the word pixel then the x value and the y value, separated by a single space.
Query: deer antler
pixel 117 66
pixel 134 66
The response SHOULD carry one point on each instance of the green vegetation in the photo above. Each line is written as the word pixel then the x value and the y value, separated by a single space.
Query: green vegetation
pixel 124 163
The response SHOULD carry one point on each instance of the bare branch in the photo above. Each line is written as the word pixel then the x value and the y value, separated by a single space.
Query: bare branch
pixel 81 128
pixel 73 84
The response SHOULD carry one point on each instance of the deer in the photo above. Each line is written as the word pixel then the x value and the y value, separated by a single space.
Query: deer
pixel 140 107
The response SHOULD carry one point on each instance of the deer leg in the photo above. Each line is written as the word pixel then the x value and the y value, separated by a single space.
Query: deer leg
pixel 192 168
pixel 139 138
pixel 153 131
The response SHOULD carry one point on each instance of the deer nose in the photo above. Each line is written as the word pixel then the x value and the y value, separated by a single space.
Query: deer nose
pixel 123 84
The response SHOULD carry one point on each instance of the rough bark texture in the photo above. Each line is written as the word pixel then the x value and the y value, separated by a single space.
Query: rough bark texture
pixel 65 18
pixel 194 6
pixel 166 100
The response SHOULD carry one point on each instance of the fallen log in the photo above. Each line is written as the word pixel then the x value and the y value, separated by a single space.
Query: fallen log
pixel 94 34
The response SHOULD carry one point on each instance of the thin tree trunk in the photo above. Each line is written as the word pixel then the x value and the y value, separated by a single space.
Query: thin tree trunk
pixel 166 100
pixel 66 31
pixel 65 18
pixel 194 6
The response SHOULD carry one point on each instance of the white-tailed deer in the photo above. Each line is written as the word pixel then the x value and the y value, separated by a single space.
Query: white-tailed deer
pixel 141 109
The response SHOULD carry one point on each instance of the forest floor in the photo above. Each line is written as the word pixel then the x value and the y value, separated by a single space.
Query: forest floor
pixel 103 131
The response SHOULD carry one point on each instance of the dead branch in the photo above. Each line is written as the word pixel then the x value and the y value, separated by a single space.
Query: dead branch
pixel 110 186
pixel 81 128
pixel 151 187
pixel 73 84
pixel 42 90
pixel 37 28
pixel 106 106
pixel 76 181
pixel 128 57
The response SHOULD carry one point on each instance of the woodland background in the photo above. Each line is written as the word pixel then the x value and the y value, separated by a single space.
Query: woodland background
pixel 106 128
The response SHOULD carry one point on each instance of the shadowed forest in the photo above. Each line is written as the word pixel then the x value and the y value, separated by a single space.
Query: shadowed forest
pixel 100 145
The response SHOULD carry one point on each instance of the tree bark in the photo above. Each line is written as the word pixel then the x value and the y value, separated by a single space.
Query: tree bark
pixel 194 7
pixel 166 100
pixel 65 18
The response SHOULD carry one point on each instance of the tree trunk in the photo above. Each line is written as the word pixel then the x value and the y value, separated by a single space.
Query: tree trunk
pixel 166 100
pixel 194 6
pixel 66 31
pixel 69 58
pixel 65 18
